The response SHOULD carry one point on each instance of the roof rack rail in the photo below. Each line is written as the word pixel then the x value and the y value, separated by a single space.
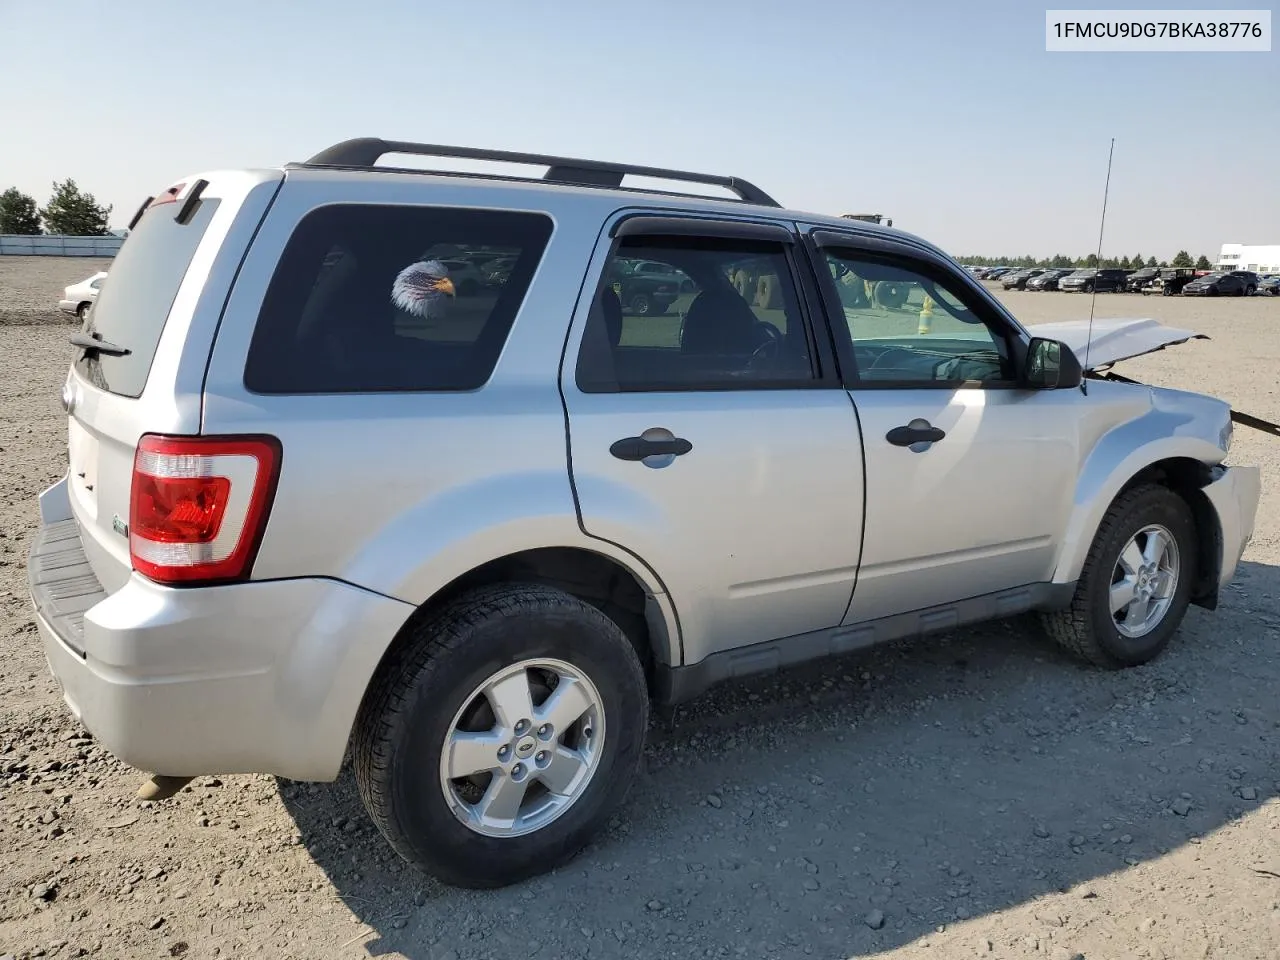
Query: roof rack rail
pixel 367 151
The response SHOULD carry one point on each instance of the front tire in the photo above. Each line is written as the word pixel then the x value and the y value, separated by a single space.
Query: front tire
pixel 1135 586
pixel 495 743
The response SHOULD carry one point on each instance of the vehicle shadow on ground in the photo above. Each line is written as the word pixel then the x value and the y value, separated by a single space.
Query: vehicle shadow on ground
pixel 852 806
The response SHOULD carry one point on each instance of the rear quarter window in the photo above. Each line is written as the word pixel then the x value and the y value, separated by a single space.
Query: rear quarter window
pixel 363 299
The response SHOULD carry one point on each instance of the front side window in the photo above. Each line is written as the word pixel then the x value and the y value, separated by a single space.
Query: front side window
pixel 703 313
pixel 911 326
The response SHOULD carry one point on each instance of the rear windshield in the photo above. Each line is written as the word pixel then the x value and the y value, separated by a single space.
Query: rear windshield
pixel 372 298
pixel 135 297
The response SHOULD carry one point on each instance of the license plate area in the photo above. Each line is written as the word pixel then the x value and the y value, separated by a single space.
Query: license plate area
pixel 82 456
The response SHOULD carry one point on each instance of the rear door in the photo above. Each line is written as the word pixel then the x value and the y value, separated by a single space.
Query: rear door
pixel 969 479
pixel 714 439
pixel 155 314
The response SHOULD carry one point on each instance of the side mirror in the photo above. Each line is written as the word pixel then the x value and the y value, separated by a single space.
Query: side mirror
pixel 1051 365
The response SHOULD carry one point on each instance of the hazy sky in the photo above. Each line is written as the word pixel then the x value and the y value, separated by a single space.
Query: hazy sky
pixel 949 117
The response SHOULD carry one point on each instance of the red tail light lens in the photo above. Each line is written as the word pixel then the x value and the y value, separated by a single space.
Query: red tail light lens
pixel 199 505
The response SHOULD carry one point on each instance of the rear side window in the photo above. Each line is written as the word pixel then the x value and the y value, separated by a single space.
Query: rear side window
pixel 138 291
pixel 374 298
pixel 696 313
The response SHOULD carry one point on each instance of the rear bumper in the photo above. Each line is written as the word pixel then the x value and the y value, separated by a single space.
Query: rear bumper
pixel 68 306
pixel 261 677
pixel 1234 494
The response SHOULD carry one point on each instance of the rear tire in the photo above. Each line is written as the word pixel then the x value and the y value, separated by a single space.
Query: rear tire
pixel 1088 628
pixel 431 695
pixel 82 311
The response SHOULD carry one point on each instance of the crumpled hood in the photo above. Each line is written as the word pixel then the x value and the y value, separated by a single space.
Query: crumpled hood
pixel 1113 340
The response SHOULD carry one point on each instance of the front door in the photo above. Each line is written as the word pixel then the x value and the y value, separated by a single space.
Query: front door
pixel 713 439
pixel 970 479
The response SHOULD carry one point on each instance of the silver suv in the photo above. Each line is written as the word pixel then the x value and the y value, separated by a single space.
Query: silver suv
pixel 321 500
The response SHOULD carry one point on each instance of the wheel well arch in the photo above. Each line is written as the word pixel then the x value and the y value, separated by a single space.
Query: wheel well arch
pixel 592 577
pixel 1187 477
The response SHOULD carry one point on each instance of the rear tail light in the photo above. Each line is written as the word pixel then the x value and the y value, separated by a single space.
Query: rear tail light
pixel 198 505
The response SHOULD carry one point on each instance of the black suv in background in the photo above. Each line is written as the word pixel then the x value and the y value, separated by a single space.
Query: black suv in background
pixel 1049 279
pixel 1237 283
pixel 1089 279
pixel 1170 281
pixel 642 289
pixel 1140 278
pixel 1018 279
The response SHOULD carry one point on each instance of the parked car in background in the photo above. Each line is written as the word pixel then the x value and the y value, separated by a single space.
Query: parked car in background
pixel 1018 279
pixel 1140 278
pixel 497 271
pixel 79 297
pixel 995 273
pixel 1269 284
pixel 642 293
pixel 1221 285
pixel 657 271
pixel 1091 279
pixel 1170 281
pixel 1049 279
pixel 1251 281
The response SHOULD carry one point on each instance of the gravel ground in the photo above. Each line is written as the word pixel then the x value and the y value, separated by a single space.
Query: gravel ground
pixel 30 287
pixel 975 794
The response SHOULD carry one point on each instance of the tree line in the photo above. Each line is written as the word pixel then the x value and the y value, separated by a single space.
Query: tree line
pixel 70 212
pixel 73 212
pixel 1181 259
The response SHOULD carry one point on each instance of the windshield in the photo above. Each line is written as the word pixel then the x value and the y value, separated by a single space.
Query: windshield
pixel 134 300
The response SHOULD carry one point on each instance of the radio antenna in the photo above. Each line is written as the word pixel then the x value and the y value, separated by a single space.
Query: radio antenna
pixel 1088 343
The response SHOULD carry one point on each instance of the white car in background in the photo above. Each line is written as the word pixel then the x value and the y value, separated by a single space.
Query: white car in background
pixel 79 297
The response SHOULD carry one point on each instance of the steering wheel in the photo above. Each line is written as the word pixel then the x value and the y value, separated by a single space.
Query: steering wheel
pixel 769 348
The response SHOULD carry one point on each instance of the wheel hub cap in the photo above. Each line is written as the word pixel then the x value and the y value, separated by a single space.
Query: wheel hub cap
pixel 1144 581
pixel 522 748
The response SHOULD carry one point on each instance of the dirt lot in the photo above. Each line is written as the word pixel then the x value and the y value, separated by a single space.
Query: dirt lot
pixel 30 287
pixel 973 795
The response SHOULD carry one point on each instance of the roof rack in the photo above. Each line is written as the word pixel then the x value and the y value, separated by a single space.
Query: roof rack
pixel 367 151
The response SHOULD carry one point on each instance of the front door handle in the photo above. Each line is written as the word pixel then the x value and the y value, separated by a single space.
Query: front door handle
pixel 638 448
pixel 917 431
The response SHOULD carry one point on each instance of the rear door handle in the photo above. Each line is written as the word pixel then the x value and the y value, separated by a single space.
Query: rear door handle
pixel 638 448
pixel 917 431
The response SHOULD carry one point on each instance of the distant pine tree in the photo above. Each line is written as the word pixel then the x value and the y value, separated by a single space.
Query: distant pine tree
pixel 18 213
pixel 72 213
